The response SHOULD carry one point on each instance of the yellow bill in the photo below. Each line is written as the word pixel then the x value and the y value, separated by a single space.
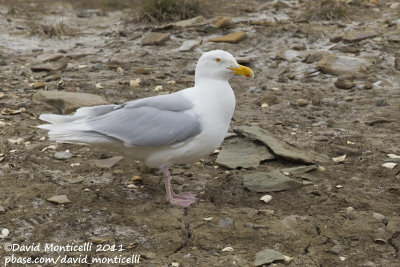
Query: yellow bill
pixel 245 71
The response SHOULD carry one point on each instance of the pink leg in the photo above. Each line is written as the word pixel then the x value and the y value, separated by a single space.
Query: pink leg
pixel 183 199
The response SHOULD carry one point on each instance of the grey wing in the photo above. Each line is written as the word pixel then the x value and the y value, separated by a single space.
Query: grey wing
pixel 149 123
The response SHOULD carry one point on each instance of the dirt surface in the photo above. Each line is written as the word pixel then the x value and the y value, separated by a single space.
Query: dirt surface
pixel 347 214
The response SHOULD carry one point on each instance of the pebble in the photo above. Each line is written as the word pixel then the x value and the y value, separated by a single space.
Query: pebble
pixel 52 77
pixel 227 249
pixel 343 65
pixel 62 155
pixel 223 22
pixel 266 198
pixel 268 98
pixel 378 216
pixel 393 156
pixel 349 210
pixel 175 264
pixel 233 38
pixel 135 83
pixel 2 209
pixel 389 165
pixel 188 45
pixel 155 38
pixel 339 159
pixel 290 222
pixel 59 199
pixel 208 219
pixel 368 86
pixel 38 85
pixel 4 233
pixel 344 83
pixel 302 102
pixel 73 180
pixel 120 70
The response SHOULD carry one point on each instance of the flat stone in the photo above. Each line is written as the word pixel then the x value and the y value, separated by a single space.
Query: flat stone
pixel 52 77
pixel 73 180
pixel 345 49
pixel 223 22
pixel 268 256
pixel 300 169
pixel 38 85
pixel 68 102
pixel 278 147
pixel 49 57
pixel 242 153
pixel 273 181
pixel 190 22
pixel 155 38
pixel 108 163
pixel 291 55
pixel 62 155
pixel 232 38
pixel 2 209
pixel 342 65
pixel 316 56
pixel 60 199
pixel 188 45
pixel 353 37
pixel 54 66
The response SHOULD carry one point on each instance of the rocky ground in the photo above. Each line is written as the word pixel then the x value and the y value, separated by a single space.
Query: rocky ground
pixel 316 131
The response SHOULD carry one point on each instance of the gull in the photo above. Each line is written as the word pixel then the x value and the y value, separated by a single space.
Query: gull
pixel 161 130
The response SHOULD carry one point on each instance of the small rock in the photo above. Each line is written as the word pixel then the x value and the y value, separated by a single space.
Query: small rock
pixel 395 6
pixel 224 22
pixel 199 20
pixel 339 159
pixel 278 147
pixel 175 264
pixel 4 233
pixel 230 38
pixel 52 77
pixel 98 240
pixel 60 199
pixel 342 65
pixel 109 162
pixel 2 209
pixel 227 249
pixel 188 45
pixel 225 222
pixel 56 66
pixel 272 181
pixel 389 165
pixel 302 102
pixel 62 155
pixel 268 256
pixel 38 85
pixel 269 98
pixel 378 216
pixel 344 83
pixel 345 49
pixel 291 55
pixel 316 56
pixel 120 70
pixel 68 102
pixel 73 180
pixel 49 57
pixel 242 153
pixel 354 37
pixel 266 198
pixel 155 38
pixel 368 86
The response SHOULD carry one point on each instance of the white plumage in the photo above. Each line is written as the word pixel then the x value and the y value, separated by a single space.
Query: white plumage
pixel 161 130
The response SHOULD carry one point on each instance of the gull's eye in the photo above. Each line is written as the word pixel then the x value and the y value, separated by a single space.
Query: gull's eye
pixel 218 59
